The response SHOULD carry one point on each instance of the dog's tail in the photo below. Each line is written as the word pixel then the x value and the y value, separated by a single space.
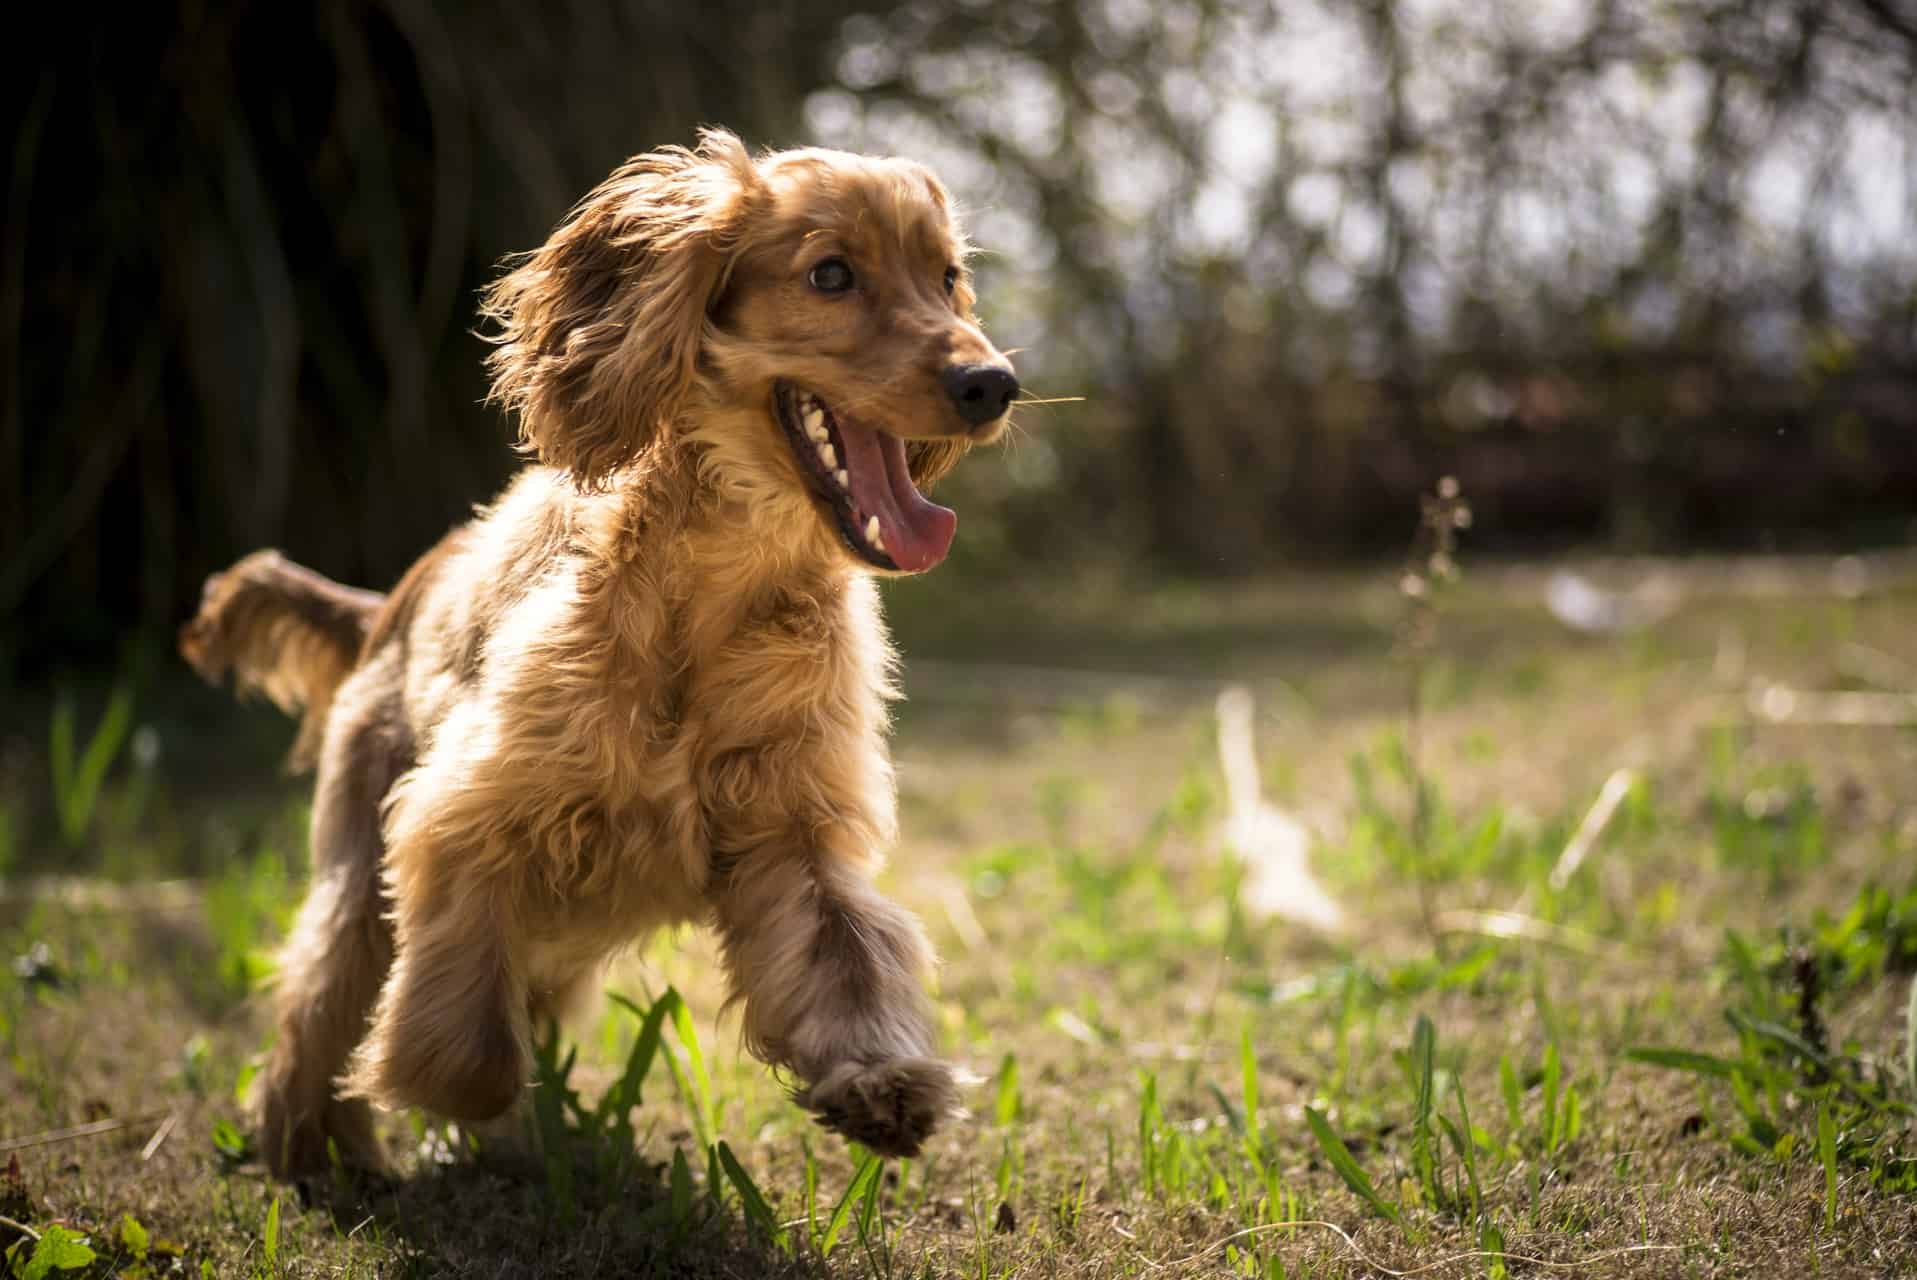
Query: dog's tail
pixel 284 631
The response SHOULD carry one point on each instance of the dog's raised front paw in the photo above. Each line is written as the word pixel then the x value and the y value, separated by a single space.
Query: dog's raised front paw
pixel 890 1107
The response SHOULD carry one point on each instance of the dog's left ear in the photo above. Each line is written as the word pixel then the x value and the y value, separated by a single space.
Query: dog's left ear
pixel 600 329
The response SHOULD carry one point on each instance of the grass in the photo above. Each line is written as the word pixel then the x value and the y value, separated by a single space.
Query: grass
pixel 1689 1056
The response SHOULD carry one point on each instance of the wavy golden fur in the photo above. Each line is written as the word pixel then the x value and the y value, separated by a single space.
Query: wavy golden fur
pixel 648 684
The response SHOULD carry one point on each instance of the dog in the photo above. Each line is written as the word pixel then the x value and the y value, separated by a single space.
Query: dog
pixel 648 684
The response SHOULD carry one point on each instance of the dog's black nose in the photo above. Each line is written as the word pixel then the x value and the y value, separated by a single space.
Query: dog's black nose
pixel 982 392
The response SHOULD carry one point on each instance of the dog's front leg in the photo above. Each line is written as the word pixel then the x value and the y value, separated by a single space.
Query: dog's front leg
pixel 451 1031
pixel 829 973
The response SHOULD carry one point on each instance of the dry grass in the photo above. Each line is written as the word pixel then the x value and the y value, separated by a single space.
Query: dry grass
pixel 1060 842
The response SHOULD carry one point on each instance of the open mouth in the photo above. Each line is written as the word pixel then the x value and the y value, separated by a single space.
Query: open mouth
pixel 861 473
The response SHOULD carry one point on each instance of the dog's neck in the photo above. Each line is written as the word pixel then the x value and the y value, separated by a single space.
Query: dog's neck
pixel 666 531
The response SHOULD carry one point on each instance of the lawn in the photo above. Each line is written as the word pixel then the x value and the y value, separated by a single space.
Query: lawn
pixel 1685 1055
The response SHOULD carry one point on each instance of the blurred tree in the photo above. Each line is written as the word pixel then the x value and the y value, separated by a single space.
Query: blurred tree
pixel 242 246
pixel 1642 271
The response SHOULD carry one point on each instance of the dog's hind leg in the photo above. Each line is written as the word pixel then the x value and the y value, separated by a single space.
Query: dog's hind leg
pixel 332 964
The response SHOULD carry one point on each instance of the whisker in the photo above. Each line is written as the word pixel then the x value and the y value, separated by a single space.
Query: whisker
pixel 1051 400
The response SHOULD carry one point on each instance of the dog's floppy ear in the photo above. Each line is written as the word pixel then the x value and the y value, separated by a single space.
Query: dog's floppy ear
pixel 599 330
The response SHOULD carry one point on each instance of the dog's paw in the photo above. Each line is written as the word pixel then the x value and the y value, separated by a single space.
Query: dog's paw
pixel 301 1137
pixel 890 1107
pixel 292 1144
pixel 471 1076
pixel 355 1139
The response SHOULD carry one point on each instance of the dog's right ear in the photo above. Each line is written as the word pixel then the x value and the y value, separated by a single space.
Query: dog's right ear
pixel 599 330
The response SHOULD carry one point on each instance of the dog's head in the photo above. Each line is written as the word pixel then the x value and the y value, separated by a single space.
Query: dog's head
pixel 803 321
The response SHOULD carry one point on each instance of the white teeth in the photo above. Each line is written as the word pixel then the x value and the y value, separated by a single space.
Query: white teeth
pixel 845 481
pixel 872 534
pixel 829 458
pixel 814 423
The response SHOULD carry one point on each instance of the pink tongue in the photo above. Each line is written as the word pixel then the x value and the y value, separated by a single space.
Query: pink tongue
pixel 917 533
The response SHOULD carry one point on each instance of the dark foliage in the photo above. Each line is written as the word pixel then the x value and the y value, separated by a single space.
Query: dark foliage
pixel 243 244
pixel 1639 274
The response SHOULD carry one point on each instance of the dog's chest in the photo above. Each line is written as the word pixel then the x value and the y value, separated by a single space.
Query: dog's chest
pixel 705 699
pixel 705 745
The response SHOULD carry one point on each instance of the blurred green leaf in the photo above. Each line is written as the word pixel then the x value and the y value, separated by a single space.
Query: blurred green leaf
pixel 1341 1160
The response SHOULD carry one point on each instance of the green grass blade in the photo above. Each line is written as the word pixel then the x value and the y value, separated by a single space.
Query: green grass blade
pixel 626 1092
pixel 701 1079
pixel 681 1080
pixel 868 1212
pixel 1827 1156
pixel 230 1142
pixel 1149 1119
pixel 1471 1135
pixel 1466 1146
pixel 681 1188
pixel 1424 1045
pixel 1248 1071
pixel 688 1078
pixel 1424 1048
pixel 101 749
pixel 1910 1043
pixel 863 1180
pixel 757 1212
pixel 1553 1075
pixel 1781 1037
pixel 1491 1241
pixel 270 1238
pixel 811 1188
pixel 1702 1064
pixel 1007 1106
pixel 1341 1159
pixel 1749 973
pixel 1461 1145
pixel 1233 1120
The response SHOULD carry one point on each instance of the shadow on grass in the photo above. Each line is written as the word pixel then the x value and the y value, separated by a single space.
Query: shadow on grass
pixel 577 1194
pixel 492 1219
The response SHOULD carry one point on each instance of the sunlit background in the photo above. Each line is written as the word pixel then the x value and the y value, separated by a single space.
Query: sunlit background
pixel 1642 276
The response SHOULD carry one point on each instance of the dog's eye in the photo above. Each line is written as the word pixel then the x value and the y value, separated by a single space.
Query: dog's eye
pixel 831 276
pixel 951 279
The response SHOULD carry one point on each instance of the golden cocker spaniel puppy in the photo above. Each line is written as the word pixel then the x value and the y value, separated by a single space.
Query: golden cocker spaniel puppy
pixel 648 684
